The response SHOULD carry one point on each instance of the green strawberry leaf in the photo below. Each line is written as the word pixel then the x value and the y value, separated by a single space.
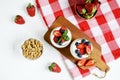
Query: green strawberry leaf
pixel 89 1
pixel 94 10
pixel 50 68
pixel 83 11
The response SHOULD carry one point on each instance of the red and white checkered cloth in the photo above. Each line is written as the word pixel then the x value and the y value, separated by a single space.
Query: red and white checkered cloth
pixel 104 28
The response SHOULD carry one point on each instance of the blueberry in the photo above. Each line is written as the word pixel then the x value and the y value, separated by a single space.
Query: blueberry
pixel 62 31
pixel 87 43
pixel 77 43
pixel 60 43
pixel 79 55
pixel 83 41
pixel 77 51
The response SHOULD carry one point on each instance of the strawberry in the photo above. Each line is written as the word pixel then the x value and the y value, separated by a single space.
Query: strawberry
pixel 81 62
pixel 57 33
pixel 30 10
pixel 88 49
pixel 54 67
pixel 81 9
pixel 19 19
pixel 81 46
pixel 82 51
pixel 81 2
pixel 90 62
pixel 56 39
pixel 89 7
pixel 63 40
pixel 97 4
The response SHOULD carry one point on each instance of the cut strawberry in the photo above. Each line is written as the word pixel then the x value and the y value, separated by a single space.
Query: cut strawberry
pixel 54 67
pixel 57 33
pixel 89 7
pixel 80 9
pixel 88 49
pixel 55 39
pixel 81 62
pixel 81 46
pixel 83 51
pixel 90 62
pixel 63 40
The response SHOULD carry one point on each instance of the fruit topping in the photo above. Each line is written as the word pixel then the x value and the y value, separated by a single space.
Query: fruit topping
pixel 81 62
pixel 85 62
pixel 54 67
pixel 90 62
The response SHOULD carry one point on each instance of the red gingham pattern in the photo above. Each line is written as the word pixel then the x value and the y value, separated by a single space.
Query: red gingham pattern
pixel 104 28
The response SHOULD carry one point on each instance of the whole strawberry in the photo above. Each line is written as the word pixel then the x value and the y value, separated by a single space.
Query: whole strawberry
pixel 30 10
pixel 54 67
pixel 19 19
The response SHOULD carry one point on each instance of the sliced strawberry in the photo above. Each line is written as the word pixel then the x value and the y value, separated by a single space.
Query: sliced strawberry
pixel 81 62
pixel 82 51
pixel 81 46
pixel 54 67
pixel 89 7
pixel 57 33
pixel 88 49
pixel 19 19
pixel 90 62
pixel 55 39
pixel 81 9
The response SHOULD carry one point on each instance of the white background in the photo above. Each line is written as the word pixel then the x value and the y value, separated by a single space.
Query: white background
pixel 13 66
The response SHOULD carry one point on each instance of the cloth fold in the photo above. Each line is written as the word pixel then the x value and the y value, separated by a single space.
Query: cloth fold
pixel 104 28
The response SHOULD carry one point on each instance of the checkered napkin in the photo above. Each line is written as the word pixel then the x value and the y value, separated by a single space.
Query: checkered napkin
pixel 104 28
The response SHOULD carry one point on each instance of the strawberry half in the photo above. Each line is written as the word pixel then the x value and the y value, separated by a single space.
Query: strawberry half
pixel 54 67
pixel 57 33
pixel 81 62
pixel 90 62
pixel 88 49
pixel 81 46
pixel 30 10
pixel 19 19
